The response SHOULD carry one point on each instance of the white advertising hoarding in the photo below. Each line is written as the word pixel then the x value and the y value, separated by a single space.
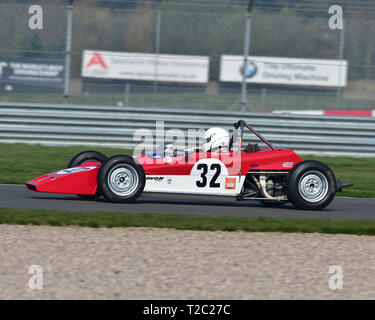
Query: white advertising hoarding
pixel 144 66
pixel 287 71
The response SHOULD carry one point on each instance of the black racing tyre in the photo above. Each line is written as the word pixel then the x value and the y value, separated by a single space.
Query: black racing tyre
pixel 272 203
pixel 311 185
pixel 82 158
pixel 121 179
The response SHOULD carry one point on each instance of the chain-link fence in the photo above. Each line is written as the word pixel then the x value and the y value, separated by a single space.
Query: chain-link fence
pixel 140 56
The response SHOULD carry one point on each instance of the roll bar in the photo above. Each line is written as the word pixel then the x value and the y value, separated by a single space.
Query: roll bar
pixel 241 124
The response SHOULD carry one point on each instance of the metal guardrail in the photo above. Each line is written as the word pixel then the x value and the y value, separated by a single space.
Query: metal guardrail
pixel 53 124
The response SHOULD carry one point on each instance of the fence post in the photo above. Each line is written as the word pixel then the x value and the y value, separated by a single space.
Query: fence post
pixel 341 57
pixel 68 49
pixel 157 48
pixel 264 98
pixel 246 54
pixel 127 93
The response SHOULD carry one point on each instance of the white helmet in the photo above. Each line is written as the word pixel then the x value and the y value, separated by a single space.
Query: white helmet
pixel 215 138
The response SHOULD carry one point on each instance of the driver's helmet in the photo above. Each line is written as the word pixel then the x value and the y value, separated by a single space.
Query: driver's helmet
pixel 214 139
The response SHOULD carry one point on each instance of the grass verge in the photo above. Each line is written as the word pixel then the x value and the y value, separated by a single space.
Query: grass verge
pixel 22 162
pixel 184 222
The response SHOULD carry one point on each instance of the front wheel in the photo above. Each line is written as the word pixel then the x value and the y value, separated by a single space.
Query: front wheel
pixel 121 179
pixel 311 185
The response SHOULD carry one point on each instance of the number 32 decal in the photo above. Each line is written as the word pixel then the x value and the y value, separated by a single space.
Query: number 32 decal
pixel 203 167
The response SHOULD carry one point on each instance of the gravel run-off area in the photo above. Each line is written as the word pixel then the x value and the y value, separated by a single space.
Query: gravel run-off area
pixel 147 263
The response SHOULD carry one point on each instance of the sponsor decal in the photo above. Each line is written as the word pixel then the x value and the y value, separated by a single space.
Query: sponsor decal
pixel 97 59
pixel 254 165
pixel 145 66
pixel 169 181
pixel 17 74
pixel 288 164
pixel 230 183
pixel 285 71
pixel 250 70
pixel 159 179
pixel 76 169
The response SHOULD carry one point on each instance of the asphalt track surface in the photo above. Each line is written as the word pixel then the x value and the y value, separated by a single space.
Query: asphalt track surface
pixel 18 196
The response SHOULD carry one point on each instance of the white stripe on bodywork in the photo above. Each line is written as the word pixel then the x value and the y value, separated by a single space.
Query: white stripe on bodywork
pixel 188 184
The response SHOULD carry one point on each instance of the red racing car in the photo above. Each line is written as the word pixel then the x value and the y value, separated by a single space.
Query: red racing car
pixel 222 167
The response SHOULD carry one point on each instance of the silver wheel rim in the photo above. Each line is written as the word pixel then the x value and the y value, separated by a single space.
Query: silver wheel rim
pixel 123 180
pixel 313 186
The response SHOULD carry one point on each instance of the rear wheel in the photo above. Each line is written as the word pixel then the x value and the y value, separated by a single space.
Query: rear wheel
pixel 86 156
pixel 121 179
pixel 311 185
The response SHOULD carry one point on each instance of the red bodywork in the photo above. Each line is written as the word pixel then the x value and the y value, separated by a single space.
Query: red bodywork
pixel 84 182
pixel 81 182
pixel 265 159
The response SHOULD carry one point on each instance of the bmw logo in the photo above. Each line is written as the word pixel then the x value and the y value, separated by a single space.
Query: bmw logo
pixel 250 70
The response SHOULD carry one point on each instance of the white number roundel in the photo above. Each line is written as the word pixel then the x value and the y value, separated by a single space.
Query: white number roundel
pixel 196 170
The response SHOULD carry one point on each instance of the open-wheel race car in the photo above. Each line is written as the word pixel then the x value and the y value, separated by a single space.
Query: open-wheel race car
pixel 221 167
